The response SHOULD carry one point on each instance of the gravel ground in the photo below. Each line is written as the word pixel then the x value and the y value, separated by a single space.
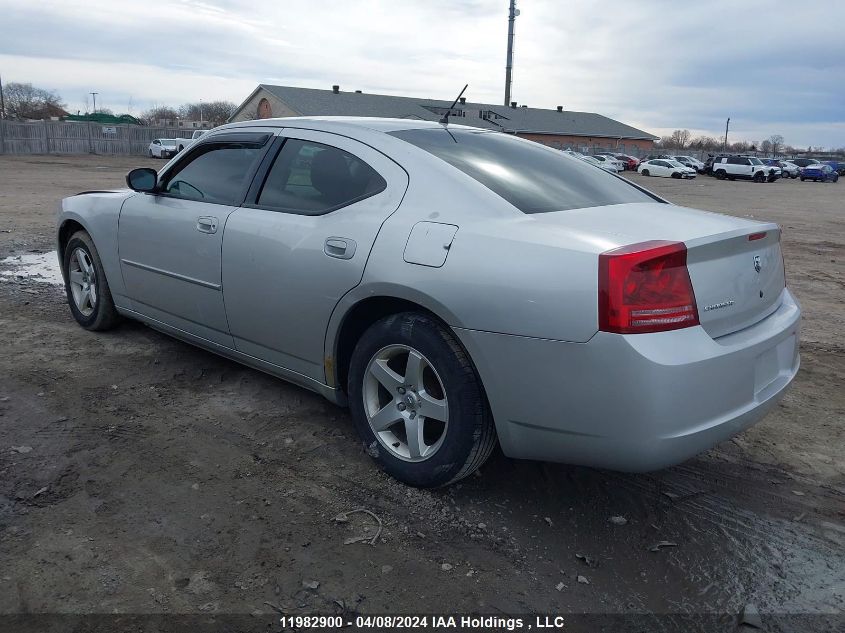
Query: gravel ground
pixel 141 475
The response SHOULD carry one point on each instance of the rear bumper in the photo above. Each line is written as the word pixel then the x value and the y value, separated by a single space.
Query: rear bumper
pixel 634 403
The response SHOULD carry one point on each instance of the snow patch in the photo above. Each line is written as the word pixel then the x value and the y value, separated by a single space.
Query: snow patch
pixel 39 267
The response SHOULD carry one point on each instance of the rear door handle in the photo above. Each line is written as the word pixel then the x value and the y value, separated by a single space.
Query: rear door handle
pixel 207 224
pixel 340 247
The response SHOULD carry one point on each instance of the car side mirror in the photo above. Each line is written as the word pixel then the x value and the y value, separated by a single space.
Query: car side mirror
pixel 142 179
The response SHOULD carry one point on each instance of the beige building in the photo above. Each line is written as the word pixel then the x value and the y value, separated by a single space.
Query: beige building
pixel 582 131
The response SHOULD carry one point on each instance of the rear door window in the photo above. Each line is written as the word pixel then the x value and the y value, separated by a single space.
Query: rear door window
pixel 312 178
pixel 532 178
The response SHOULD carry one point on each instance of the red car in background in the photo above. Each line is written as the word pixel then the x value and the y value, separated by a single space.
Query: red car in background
pixel 630 162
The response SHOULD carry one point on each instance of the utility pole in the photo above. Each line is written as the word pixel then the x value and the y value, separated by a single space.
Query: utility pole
pixel 94 94
pixel 727 125
pixel 509 64
pixel 200 110
pixel 2 101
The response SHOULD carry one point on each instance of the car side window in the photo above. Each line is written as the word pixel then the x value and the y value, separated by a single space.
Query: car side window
pixel 311 178
pixel 217 173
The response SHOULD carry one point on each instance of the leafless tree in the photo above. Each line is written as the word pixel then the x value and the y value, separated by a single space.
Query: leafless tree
pixel 159 113
pixel 706 143
pixel 666 142
pixel 766 146
pixel 681 138
pixel 213 111
pixel 25 101
pixel 776 141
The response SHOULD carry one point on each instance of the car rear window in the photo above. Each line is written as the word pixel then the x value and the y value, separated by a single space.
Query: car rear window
pixel 531 177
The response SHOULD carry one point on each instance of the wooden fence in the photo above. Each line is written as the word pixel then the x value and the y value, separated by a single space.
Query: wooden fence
pixel 81 137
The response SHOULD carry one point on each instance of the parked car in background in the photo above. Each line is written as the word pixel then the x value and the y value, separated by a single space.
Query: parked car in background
pixel 666 168
pixel 803 162
pixel 163 148
pixel 819 173
pixel 572 316
pixel 744 168
pixel 592 160
pixel 616 164
pixel 788 170
pixel 628 162
pixel 182 143
pixel 689 161
pixel 837 165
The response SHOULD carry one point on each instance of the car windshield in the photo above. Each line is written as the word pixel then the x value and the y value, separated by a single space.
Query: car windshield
pixel 531 177
pixel 755 161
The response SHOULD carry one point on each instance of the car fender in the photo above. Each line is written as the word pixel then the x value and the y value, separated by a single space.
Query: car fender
pixel 98 213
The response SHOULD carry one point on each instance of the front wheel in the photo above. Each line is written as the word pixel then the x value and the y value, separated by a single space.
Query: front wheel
pixel 418 403
pixel 759 177
pixel 645 172
pixel 85 285
pixel 720 174
pixel 675 174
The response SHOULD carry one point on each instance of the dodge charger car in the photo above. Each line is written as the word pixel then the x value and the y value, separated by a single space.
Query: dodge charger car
pixel 454 287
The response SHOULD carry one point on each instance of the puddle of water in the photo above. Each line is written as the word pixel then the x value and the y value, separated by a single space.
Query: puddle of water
pixel 38 267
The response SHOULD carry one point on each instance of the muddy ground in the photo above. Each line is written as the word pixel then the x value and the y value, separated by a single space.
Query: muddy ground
pixel 141 475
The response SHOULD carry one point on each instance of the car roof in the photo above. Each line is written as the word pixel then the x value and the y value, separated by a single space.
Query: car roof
pixel 341 123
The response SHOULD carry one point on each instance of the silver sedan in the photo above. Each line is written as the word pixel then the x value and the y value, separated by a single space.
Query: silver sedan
pixel 455 288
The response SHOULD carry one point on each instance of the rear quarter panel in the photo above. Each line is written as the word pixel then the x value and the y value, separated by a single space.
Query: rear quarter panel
pixel 505 271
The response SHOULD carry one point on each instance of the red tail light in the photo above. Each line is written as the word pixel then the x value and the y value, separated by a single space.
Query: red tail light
pixel 646 288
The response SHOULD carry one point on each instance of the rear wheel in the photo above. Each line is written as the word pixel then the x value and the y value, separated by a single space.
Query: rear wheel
pixel 418 403
pixel 86 286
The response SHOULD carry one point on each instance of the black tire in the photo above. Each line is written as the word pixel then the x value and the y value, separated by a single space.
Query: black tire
pixel 151 153
pixel 645 172
pixel 759 177
pixel 803 179
pixel 103 316
pixel 675 174
pixel 720 174
pixel 470 435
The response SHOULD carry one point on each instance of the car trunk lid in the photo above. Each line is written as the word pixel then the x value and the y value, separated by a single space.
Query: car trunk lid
pixel 738 278
pixel 735 264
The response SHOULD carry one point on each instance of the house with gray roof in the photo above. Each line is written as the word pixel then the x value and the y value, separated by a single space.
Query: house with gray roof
pixel 583 131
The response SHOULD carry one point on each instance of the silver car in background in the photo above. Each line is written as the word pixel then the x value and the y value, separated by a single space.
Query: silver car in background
pixel 455 287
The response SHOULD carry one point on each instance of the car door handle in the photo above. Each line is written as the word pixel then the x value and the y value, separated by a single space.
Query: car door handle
pixel 207 224
pixel 340 247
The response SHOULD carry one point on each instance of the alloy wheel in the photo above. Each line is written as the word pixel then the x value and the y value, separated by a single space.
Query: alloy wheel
pixel 83 281
pixel 405 403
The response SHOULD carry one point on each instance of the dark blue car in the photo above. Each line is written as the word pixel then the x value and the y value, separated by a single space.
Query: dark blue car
pixel 819 172
pixel 838 166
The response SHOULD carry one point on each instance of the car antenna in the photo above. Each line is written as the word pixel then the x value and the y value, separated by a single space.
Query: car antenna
pixel 445 119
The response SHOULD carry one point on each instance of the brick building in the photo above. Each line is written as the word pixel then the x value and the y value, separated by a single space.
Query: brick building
pixel 581 131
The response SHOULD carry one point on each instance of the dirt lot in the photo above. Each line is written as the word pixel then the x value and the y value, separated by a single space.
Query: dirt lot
pixel 152 477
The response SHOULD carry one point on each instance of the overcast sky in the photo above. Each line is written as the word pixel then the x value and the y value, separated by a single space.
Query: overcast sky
pixel 776 67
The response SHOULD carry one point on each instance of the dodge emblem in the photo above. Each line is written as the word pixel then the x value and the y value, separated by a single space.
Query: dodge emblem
pixel 757 265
